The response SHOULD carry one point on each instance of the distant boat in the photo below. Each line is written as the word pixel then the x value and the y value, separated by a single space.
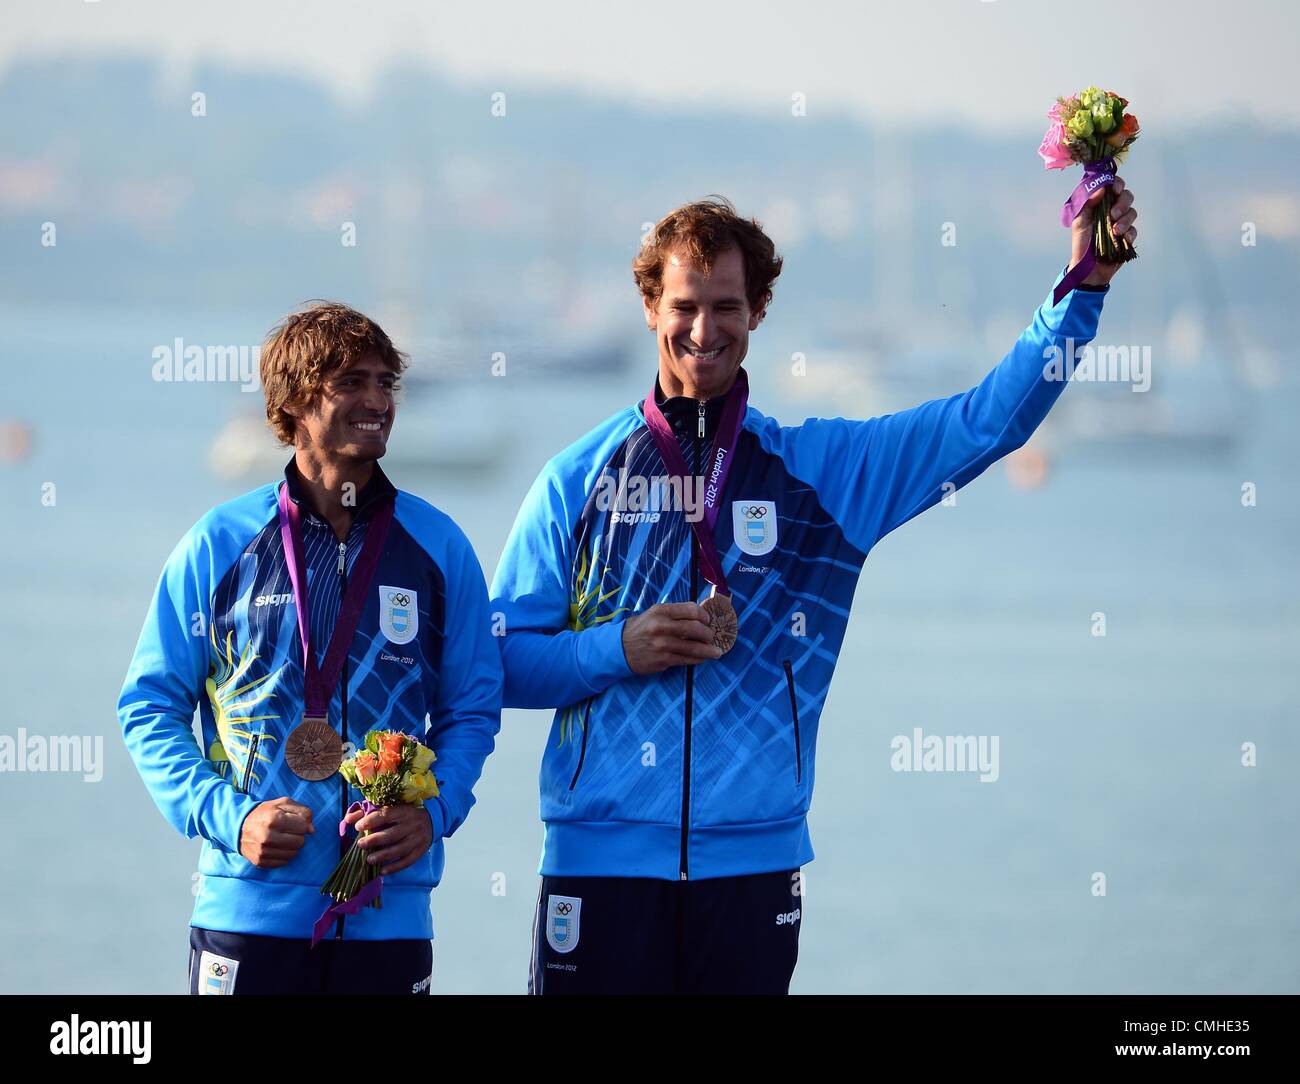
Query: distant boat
pixel 454 408
pixel 442 429
pixel 518 354
pixel 1194 422
pixel 831 382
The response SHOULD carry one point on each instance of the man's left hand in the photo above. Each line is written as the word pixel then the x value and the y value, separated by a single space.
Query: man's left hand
pixel 1122 215
pixel 399 835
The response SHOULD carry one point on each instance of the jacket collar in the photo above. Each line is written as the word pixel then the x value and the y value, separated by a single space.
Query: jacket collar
pixel 683 413
pixel 374 490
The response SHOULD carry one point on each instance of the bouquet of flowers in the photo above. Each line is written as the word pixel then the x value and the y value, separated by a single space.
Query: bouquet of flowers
pixel 391 769
pixel 1091 129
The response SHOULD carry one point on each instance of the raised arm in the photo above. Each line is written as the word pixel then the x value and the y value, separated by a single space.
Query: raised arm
pixel 875 475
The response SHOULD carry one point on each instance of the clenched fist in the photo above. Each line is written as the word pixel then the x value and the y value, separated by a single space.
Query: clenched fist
pixel 275 832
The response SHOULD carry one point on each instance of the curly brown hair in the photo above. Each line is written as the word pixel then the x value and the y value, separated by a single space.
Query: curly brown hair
pixel 703 230
pixel 308 345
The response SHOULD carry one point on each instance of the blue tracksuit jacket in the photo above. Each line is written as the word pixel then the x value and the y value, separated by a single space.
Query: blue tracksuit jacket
pixel 707 771
pixel 222 633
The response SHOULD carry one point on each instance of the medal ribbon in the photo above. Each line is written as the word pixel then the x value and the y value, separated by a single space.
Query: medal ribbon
pixel 715 471
pixel 318 684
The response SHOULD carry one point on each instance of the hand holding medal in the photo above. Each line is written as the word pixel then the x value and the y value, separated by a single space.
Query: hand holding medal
pixel 669 634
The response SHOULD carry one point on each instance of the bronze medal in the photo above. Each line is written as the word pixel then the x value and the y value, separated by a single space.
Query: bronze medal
pixel 314 750
pixel 722 620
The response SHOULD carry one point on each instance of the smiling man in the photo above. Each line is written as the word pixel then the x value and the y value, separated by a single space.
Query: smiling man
pixel 689 647
pixel 382 593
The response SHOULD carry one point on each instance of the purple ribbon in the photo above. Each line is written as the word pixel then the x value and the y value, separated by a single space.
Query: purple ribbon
pixel 368 892
pixel 1098 174
pixel 715 470
pixel 318 683
pixel 366 809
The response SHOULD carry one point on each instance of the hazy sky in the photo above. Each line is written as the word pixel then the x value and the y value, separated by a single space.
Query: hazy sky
pixel 990 62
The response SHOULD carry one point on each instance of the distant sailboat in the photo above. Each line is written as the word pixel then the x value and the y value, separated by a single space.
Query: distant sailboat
pixel 446 430
pixel 456 412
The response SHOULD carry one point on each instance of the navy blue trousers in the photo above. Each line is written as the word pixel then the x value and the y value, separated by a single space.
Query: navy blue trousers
pixel 635 935
pixel 236 963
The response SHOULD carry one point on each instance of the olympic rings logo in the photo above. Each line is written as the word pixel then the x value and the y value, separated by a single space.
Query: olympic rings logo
pixel 563 908
pixel 217 969
pixel 399 599
pixel 755 511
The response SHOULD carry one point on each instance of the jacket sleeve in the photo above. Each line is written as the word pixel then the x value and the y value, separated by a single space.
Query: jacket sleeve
pixel 162 688
pixel 466 715
pixel 873 476
pixel 548 664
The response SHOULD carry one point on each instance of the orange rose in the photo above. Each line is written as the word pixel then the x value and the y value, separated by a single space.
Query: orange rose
pixel 367 767
pixel 390 752
pixel 1128 128
pixel 1129 125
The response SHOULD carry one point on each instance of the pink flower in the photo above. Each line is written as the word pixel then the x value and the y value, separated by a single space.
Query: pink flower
pixel 1053 150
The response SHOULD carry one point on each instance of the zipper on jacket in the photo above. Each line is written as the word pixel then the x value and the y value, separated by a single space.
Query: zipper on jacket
pixel 343 726
pixel 794 714
pixel 252 757
pixel 683 867
pixel 582 753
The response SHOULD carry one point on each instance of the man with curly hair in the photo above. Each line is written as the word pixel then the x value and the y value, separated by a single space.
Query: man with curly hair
pixel 299 617
pixel 678 584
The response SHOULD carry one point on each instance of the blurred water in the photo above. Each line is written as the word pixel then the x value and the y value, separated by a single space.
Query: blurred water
pixel 1118 754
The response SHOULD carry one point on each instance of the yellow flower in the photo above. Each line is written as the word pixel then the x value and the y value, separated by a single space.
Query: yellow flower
pixel 1090 95
pixel 417 786
pixel 423 758
pixel 1080 124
